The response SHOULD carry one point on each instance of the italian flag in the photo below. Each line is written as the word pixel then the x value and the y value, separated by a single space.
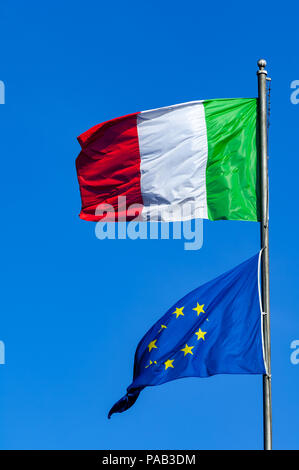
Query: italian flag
pixel 201 154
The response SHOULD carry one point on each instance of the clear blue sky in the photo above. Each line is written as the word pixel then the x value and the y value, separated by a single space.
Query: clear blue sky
pixel 73 308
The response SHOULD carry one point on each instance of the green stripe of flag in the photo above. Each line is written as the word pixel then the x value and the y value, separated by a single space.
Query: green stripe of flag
pixel 232 173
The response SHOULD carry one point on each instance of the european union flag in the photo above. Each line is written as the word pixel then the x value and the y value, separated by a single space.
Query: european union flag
pixel 215 329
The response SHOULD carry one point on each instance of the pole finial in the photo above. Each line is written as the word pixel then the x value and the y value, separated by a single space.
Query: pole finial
pixel 262 64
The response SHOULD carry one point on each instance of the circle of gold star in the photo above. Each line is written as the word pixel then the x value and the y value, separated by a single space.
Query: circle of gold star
pixel 199 308
pixel 200 334
pixel 168 363
pixel 187 350
pixel 178 312
pixel 152 345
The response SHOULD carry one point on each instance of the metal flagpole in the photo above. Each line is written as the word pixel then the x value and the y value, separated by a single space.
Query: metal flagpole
pixel 264 194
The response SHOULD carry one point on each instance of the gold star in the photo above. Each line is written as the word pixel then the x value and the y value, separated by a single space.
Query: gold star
pixel 150 363
pixel 178 312
pixel 162 327
pixel 187 350
pixel 199 309
pixel 168 363
pixel 200 334
pixel 152 345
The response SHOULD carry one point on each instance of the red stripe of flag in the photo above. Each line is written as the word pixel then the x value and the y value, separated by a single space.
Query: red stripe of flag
pixel 109 166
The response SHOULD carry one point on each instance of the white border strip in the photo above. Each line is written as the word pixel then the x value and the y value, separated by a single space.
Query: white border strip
pixel 261 308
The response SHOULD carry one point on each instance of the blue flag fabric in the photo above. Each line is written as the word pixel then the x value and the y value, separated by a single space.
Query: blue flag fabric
pixel 215 329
